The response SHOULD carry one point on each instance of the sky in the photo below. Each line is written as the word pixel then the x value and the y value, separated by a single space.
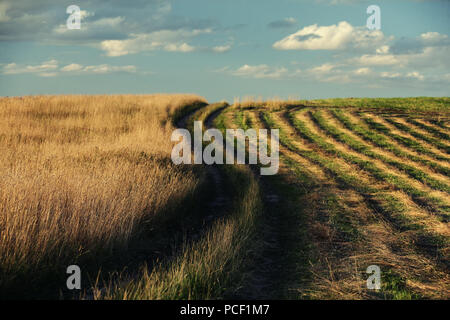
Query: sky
pixel 302 49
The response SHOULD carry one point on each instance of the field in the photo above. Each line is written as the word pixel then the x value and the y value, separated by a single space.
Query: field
pixel 88 180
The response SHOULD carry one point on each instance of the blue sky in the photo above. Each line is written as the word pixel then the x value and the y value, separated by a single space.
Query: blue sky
pixel 224 49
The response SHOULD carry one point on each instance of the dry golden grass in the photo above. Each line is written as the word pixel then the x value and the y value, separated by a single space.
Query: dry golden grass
pixel 273 103
pixel 80 174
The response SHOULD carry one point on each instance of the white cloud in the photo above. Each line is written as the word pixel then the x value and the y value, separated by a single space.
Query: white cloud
pixel 72 67
pixel 317 38
pixel 168 40
pixel 433 36
pixel 377 60
pixel 13 68
pixel 84 14
pixel 116 48
pixel 221 49
pixel 103 25
pixel 44 20
pixel 48 74
pixel 383 49
pixel 322 69
pixel 184 47
pixel 390 75
pixel 105 68
pixel 430 57
pixel 334 37
pixel 362 71
pixel 426 57
pixel 344 73
pixel 51 69
pixel 261 71
pixel 415 75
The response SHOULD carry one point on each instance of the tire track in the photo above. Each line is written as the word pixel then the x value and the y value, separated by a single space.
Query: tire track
pixel 220 202
pixel 267 266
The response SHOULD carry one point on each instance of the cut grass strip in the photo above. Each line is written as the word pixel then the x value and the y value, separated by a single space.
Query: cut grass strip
pixel 331 166
pixel 366 150
pixel 392 208
pixel 410 143
pixel 441 124
pixel 242 120
pixel 343 227
pixel 382 142
pixel 433 141
pixel 436 132
pixel 434 205
pixel 285 256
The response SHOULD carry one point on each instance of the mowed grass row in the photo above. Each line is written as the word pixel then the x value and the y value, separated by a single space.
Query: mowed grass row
pixel 346 177
pixel 410 130
pixel 326 229
pixel 350 226
pixel 434 204
pixel 362 148
pixel 438 133
pixel 383 142
pixel 413 144
pixel 443 124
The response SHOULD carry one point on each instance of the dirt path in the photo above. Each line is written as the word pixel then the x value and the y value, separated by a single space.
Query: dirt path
pixel 220 202
pixel 265 270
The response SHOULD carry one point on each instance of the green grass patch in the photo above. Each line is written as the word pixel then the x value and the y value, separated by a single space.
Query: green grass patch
pixel 417 104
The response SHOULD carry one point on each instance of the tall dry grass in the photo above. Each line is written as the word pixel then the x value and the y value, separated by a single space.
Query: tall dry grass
pixel 273 103
pixel 80 174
